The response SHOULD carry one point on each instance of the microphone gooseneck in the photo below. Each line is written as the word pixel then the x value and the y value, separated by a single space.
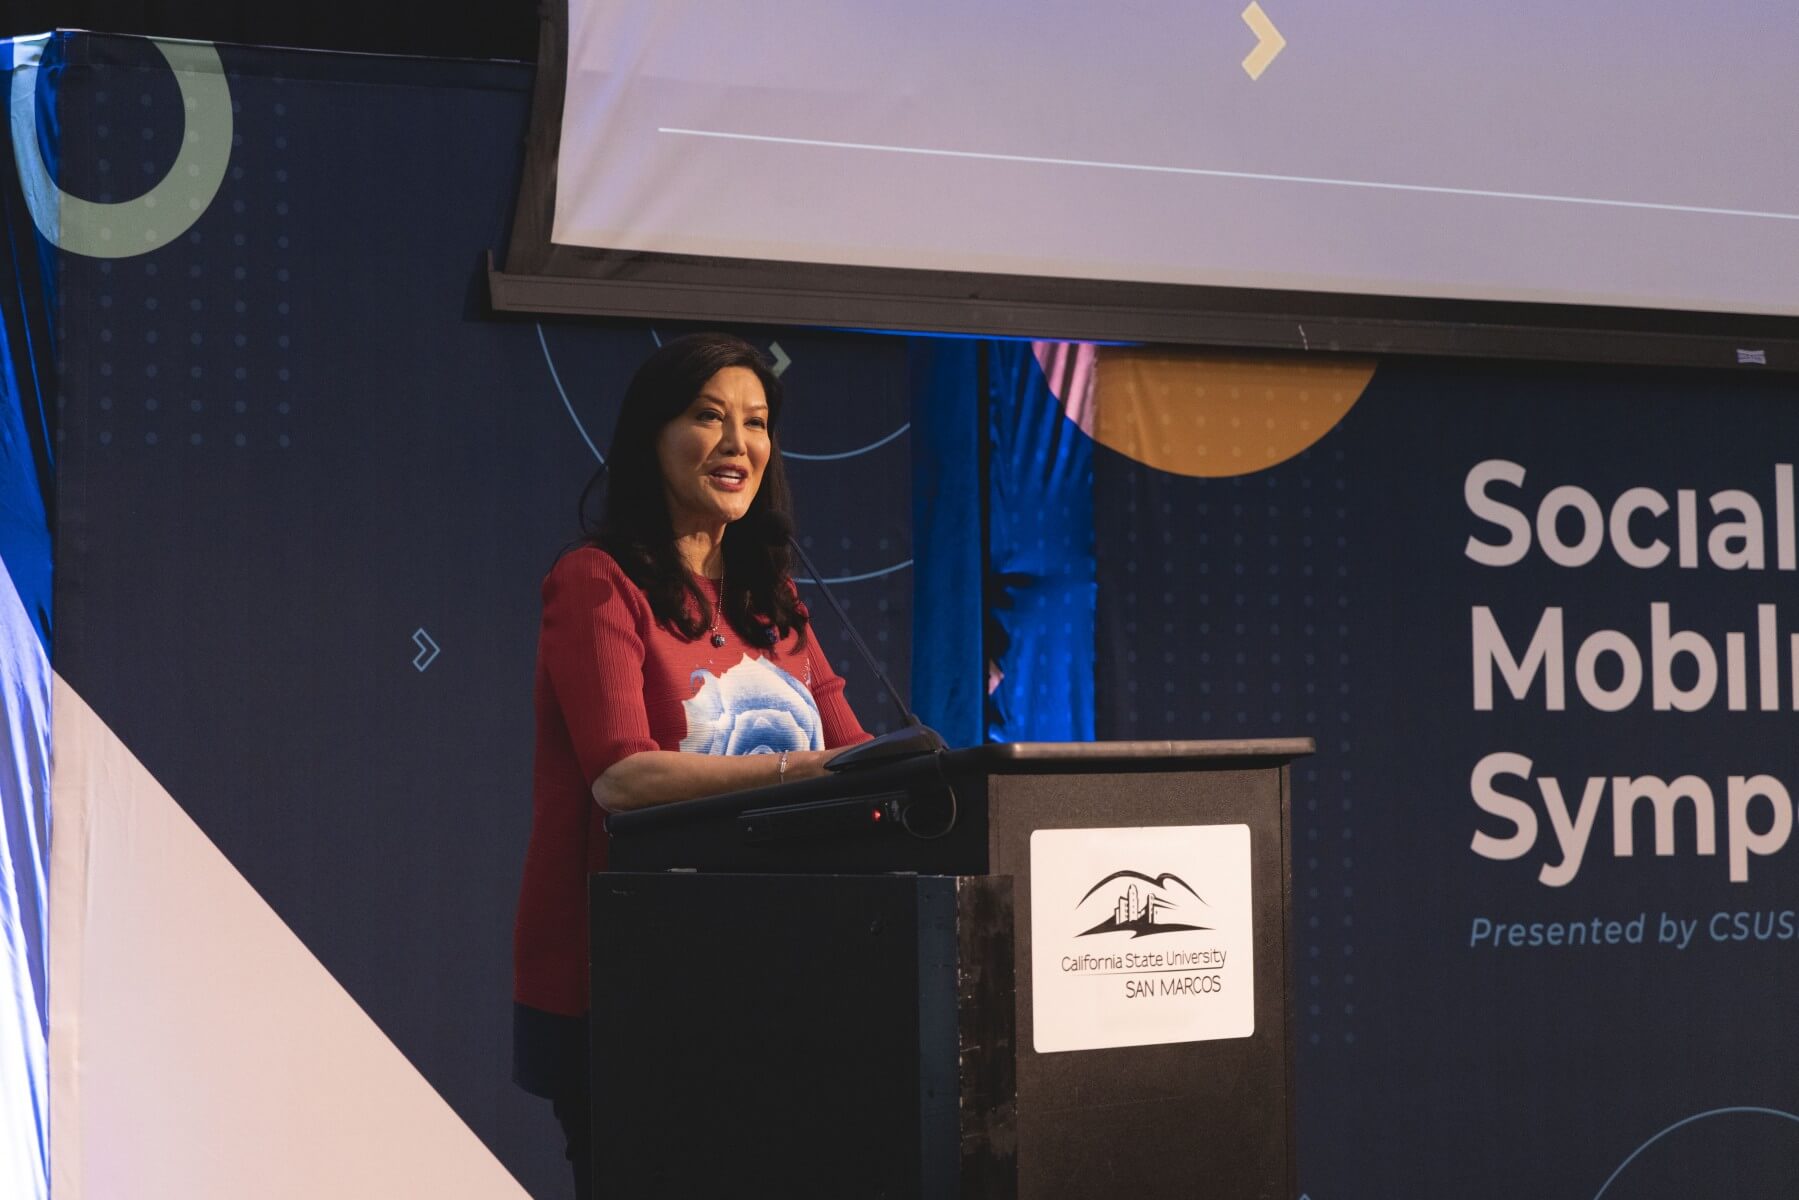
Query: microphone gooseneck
pixel 917 738
pixel 843 618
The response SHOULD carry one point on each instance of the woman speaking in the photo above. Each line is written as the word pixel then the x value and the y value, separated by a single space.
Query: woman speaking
pixel 674 660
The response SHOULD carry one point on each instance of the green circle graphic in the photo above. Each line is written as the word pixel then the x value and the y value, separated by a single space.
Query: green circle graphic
pixel 165 212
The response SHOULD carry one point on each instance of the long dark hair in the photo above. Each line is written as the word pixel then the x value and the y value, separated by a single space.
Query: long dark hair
pixel 633 526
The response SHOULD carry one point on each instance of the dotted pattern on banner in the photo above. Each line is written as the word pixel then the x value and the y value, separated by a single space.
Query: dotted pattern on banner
pixel 220 446
pixel 201 350
pixel 1226 611
pixel 186 358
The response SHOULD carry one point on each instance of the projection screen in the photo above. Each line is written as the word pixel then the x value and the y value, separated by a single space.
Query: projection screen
pixel 1611 154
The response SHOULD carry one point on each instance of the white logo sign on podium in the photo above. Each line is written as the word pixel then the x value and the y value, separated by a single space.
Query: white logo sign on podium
pixel 1141 936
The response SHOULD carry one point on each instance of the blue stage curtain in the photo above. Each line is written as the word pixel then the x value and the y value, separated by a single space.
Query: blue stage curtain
pixel 946 532
pixel 1040 585
pixel 26 474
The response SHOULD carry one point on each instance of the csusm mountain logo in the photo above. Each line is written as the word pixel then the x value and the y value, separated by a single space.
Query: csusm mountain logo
pixel 1156 907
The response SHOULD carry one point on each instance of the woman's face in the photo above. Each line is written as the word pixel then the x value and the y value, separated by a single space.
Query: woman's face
pixel 713 455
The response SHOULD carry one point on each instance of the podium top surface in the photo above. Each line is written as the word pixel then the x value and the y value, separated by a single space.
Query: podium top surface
pixel 1017 757
pixel 999 758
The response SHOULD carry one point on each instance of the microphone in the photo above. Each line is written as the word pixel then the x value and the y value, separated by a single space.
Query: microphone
pixel 917 738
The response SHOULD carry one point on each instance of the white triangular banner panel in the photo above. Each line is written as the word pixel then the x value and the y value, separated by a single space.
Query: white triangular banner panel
pixel 198 1050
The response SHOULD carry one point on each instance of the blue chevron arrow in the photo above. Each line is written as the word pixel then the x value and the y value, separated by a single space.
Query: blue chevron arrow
pixel 428 649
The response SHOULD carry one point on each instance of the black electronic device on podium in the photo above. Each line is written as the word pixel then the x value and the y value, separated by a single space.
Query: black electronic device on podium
pixel 833 988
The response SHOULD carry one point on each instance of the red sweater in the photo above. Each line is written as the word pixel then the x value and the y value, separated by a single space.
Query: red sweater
pixel 611 682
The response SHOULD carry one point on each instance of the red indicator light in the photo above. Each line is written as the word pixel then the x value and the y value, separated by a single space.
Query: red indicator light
pixel 874 814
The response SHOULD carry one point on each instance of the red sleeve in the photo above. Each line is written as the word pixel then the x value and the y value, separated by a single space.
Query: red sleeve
pixel 841 726
pixel 591 642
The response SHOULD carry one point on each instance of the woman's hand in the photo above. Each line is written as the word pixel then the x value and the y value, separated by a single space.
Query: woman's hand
pixel 807 764
pixel 665 776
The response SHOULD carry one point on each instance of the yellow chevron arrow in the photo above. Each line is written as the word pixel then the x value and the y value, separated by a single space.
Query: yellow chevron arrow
pixel 1269 41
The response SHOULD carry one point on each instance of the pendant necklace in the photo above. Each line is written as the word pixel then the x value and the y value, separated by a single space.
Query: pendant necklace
pixel 718 607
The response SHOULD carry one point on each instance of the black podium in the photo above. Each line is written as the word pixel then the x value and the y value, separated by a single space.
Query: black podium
pixel 832 989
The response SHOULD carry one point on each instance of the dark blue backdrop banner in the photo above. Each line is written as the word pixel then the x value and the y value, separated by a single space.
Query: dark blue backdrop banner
pixel 1540 622
pixel 1542 625
pixel 309 487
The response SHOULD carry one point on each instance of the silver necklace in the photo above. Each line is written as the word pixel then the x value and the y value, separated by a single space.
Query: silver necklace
pixel 718 607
